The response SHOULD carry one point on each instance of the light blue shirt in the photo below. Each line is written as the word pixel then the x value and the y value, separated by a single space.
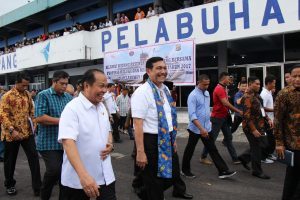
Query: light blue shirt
pixel 199 108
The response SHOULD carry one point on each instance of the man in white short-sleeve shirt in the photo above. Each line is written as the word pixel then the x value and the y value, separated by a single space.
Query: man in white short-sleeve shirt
pixel 84 131
pixel 146 122
pixel 268 104
pixel 267 96
pixel 109 99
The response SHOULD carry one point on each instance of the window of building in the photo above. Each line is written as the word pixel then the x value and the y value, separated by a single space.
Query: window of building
pixel 292 46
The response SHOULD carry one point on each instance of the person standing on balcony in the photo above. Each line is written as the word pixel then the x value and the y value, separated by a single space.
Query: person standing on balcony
pixel 124 19
pixel 117 19
pixel 150 12
pixel 139 14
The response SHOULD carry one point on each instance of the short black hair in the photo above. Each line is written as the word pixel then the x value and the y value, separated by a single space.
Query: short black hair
pixel 22 76
pixel 125 88
pixel 269 79
pixel 252 79
pixel 145 77
pixel 203 77
pixel 89 76
pixel 59 75
pixel 243 82
pixel 110 85
pixel 222 75
pixel 150 61
pixel 79 82
pixel 294 67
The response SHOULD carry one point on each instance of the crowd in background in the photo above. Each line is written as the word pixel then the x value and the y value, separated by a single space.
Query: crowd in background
pixel 120 18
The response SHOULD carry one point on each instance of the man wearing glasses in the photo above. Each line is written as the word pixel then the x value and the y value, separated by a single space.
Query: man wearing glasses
pixel 200 127
pixel 49 105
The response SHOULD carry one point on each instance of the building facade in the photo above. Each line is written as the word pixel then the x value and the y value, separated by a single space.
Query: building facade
pixel 243 37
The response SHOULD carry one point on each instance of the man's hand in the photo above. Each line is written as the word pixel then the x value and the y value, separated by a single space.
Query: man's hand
pixel 240 112
pixel 16 135
pixel 175 147
pixel 256 134
pixel 270 123
pixel 204 133
pixel 280 151
pixel 106 151
pixel 89 186
pixel 141 159
pixel 111 119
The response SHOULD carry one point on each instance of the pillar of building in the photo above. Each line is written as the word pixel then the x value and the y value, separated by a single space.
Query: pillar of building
pixel 158 2
pixel 110 13
pixel 222 57
pixel 6 81
pixel 46 74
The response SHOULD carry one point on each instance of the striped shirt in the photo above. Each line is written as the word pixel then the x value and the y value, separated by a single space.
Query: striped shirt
pixel 48 102
pixel 123 104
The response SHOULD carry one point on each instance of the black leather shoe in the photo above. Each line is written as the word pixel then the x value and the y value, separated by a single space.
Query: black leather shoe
pixel 244 163
pixel 37 193
pixel 262 176
pixel 183 196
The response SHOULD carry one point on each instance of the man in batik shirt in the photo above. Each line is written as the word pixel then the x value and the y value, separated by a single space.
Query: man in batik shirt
pixel 254 119
pixel 16 116
pixel 287 132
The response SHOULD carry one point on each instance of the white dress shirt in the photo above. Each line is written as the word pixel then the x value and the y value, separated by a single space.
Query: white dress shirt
pixel 110 102
pixel 89 126
pixel 268 102
pixel 143 106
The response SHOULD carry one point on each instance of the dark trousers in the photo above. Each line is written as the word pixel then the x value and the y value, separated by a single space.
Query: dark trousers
pixel 107 192
pixel 154 186
pixel 53 162
pixel 254 154
pixel 217 125
pixel 271 145
pixel 115 125
pixel 11 150
pixel 236 123
pixel 122 122
pixel 209 144
pixel 291 190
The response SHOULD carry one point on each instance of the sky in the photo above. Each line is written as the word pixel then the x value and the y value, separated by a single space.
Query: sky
pixel 9 5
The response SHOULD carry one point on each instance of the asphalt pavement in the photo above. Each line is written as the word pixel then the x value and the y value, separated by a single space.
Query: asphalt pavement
pixel 207 185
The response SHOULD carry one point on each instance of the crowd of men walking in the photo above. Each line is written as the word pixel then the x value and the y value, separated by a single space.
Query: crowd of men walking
pixel 74 134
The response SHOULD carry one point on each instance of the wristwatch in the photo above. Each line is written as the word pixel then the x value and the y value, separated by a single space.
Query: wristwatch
pixel 11 130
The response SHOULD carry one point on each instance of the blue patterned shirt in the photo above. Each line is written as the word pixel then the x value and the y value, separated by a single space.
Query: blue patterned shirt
pixel 49 103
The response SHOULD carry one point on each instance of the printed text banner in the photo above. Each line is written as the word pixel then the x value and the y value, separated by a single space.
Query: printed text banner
pixel 129 66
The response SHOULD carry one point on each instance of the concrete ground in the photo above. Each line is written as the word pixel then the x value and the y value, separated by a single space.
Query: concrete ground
pixel 206 185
